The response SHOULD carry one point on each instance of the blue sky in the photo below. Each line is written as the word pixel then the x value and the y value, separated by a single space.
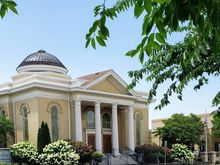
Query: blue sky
pixel 60 29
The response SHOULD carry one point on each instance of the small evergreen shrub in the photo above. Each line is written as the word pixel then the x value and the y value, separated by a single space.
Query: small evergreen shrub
pixel 24 152
pixel 85 151
pixel 59 152
pixel 181 154
pixel 98 156
pixel 43 137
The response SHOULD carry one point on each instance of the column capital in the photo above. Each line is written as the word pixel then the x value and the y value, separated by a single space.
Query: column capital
pixel 114 105
pixel 77 102
pixel 130 107
pixel 97 103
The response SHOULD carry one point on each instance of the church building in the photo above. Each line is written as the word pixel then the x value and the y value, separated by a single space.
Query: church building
pixel 96 108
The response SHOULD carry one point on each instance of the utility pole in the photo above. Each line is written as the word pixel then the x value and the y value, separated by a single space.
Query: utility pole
pixel 165 158
pixel 206 137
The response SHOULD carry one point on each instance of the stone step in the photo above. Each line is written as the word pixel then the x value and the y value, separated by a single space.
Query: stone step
pixel 122 160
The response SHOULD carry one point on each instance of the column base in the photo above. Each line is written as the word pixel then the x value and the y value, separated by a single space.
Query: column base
pixel 206 157
pixel 116 153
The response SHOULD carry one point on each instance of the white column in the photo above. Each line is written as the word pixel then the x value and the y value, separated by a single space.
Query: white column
pixel 115 146
pixel 130 128
pixel 98 138
pixel 78 120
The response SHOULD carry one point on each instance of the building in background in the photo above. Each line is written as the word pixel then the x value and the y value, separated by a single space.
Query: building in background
pixel 213 143
pixel 96 109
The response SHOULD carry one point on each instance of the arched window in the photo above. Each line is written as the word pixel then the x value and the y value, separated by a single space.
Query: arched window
pixel 106 121
pixel 138 128
pixel 54 122
pixel 24 113
pixel 90 119
pixel 2 112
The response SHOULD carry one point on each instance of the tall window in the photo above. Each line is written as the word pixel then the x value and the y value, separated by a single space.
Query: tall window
pixel 217 146
pixel 24 112
pixel 54 123
pixel 90 119
pixel 138 128
pixel 106 121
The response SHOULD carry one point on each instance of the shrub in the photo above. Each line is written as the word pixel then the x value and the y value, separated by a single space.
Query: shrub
pixel 152 152
pixel 98 156
pixel 24 152
pixel 85 151
pixel 181 154
pixel 59 152
pixel 217 162
pixel 43 137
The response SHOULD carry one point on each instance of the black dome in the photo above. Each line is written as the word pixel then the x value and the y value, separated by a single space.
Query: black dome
pixel 41 58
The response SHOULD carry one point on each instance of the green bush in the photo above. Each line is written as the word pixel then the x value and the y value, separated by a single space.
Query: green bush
pixel 152 152
pixel 85 151
pixel 24 152
pixel 181 154
pixel 59 152
pixel 217 162
pixel 98 156
pixel 43 137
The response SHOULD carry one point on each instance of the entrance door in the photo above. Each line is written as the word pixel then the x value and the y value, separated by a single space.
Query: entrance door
pixel 91 140
pixel 107 143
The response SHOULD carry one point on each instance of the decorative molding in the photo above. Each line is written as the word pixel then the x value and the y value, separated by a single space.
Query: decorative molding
pixel 104 76
pixel 51 68
pixel 2 108
pixel 138 112
pixel 24 105
pixel 54 103
pixel 39 93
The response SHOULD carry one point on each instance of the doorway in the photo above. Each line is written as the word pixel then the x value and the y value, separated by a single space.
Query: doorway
pixel 91 140
pixel 107 143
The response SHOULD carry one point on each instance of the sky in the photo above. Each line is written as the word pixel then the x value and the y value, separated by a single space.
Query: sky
pixel 59 27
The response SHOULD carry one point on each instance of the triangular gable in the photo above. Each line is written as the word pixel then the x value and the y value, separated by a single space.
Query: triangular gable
pixel 109 82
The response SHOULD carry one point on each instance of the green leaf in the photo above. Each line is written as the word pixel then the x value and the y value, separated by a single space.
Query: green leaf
pixel 145 25
pixel 100 41
pixel 88 42
pixel 138 10
pixel 2 11
pixel 104 30
pixel 102 36
pixel 93 43
pixel 148 5
pixel 13 9
pixel 151 39
pixel 141 57
pixel 131 53
pixel 12 5
pixel 155 45
pixel 160 38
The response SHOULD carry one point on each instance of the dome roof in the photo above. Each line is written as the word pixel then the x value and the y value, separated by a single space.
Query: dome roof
pixel 41 58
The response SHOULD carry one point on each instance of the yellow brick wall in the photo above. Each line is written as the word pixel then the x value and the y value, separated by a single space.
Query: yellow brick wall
pixel 32 119
pixel 44 105
pixel 144 125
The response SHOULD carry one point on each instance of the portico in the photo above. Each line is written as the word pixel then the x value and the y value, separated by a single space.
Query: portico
pixel 104 135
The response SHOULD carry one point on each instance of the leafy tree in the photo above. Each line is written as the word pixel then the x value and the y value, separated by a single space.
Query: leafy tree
pixel 6 5
pixel 43 137
pixel 6 131
pixel 194 58
pixel 216 125
pixel 181 129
